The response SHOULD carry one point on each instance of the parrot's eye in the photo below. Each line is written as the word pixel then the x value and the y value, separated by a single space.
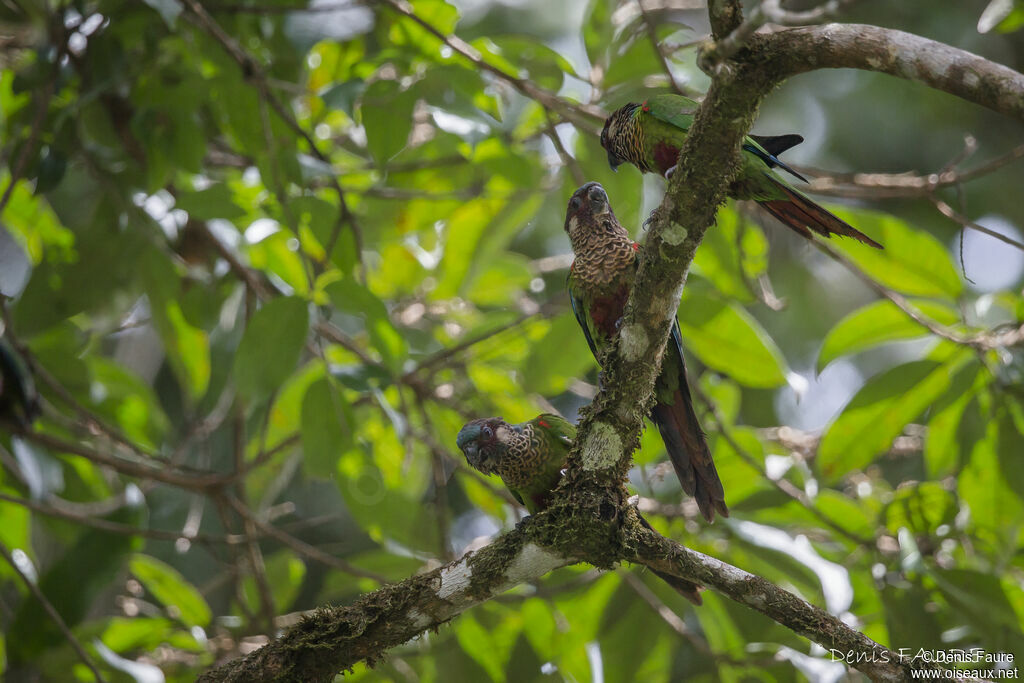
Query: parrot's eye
pixel 574 203
pixel 487 432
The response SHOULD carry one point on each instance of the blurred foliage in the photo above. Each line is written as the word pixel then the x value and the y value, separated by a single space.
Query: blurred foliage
pixel 199 302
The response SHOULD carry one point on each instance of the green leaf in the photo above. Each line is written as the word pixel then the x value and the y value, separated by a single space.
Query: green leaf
pixel 878 323
pixel 271 346
pixel 720 260
pixel 216 201
pixel 167 585
pixel 633 61
pixel 913 262
pixel 72 584
pixel 187 347
pixel 328 428
pixel 436 13
pixel 558 358
pixel 996 509
pixel 351 297
pixel 285 573
pixel 846 512
pixel 910 625
pixel 386 112
pixel 1011 445
pixel 598 30
pixel 979 598
pixel 728 339
pixel 546 67
pixel 880 411
pixel 145 633
pixel 343 95
pixel 921 508
pixel 942 453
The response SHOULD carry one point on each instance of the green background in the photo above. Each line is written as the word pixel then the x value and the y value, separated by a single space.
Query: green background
pixel 323 385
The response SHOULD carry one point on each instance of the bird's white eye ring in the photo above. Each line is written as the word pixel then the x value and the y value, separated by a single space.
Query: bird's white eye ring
pixel 488 432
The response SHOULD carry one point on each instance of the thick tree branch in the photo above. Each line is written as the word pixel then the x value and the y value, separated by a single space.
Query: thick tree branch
pixel 877 661
pixel 897 53
pixel 337 638
pixel 725 16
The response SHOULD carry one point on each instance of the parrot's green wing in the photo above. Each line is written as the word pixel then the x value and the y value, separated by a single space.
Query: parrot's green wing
pixel 579 309
pixel 559 431
pixel 672 109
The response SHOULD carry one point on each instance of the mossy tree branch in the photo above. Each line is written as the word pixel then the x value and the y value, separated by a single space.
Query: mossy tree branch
pixel 337 638
pixel 844 643
pixel 591 521
pixel 897 53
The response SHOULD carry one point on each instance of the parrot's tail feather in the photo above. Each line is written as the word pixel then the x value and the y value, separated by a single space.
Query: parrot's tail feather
pixel 688 450
pixel 777 144
pixel 687 589
pixel 803 215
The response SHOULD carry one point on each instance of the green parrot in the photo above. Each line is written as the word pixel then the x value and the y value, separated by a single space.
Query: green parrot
pixel 599 282
pixel 650 135
pixel 19 402
pixel 530 458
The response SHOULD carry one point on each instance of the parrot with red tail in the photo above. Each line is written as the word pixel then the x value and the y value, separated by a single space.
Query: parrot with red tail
pixel 649 136
pixel 600 280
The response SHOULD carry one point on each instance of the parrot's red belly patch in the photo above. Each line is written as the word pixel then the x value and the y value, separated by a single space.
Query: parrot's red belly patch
pixel 607 310
pixel 665 156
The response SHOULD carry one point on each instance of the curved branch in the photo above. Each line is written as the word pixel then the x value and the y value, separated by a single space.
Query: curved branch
pixel 897 53
pixel 337 638
pixel 814 623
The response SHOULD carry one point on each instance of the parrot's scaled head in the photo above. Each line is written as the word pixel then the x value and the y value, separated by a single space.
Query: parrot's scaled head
pixel 589 216
pixel 587 203
pixel 484 442
pixel 618 137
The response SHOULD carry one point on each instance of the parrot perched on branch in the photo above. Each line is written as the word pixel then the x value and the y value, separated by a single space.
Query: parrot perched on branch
pixel 530 458
pixel 650 135
pixel 600 280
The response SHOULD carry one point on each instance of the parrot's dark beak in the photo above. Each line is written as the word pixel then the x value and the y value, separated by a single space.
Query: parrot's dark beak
pixel 614 162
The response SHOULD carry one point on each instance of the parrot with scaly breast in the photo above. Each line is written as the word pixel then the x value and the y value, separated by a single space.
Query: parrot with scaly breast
pixel 530 458
pixel 600 279
pixel 650 135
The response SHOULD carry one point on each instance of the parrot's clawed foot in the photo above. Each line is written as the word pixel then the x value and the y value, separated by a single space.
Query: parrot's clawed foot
pixel 669 172
pixel 654 217
pixel 600 380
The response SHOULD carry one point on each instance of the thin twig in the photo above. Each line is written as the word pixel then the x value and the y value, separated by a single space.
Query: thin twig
pixel 568 160
pixel 117 527
pixel 252 69
pixel 42 107
pixel 893 185
pixel 54 614
pixel 951 213
pixel 195 480
pixel 652 34
pixel 783 485
pixel 582 115
pixel 300 546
